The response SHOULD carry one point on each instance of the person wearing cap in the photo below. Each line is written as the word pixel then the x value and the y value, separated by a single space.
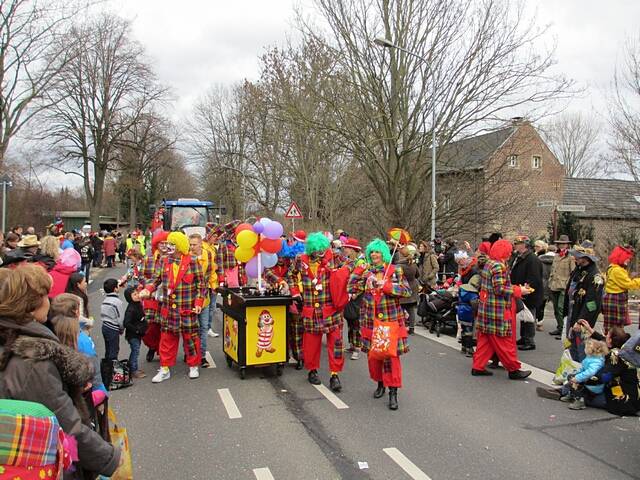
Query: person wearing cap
pixel 308 281
pixel 382 287
pixel 583 297
pixel 183 286
pixel 427 264
pixel 406 260
pixel 526 269
pixel 561 268
pixel 466 309
pixel 615 303
pixel 354 258
pixel 228 271
pixel 496 317
pixel 26 250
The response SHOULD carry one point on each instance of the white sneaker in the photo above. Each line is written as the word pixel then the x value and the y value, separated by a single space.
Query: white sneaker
pixel 355 355
pixel 213 334
pixel 194 372
pixel 163 374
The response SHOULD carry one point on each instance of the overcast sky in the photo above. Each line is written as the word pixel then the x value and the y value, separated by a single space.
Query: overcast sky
pixel 196 43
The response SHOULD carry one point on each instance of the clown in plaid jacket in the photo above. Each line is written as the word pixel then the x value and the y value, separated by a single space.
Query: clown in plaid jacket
pixel 381 303
pixel 496 307
pixel 318 313
pixel 183 287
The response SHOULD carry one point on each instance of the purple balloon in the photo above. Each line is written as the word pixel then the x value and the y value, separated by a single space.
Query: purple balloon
pixel 265 221
pixel 273 230
pixel 258 228
pixel 252 267
pixel 268 259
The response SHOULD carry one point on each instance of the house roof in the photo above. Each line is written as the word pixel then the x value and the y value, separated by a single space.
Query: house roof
pixel 473 153
pixel 603 198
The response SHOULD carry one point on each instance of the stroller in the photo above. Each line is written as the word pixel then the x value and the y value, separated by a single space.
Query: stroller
pixel 437 310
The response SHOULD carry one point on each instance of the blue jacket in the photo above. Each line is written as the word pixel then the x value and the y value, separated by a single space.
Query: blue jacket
pixel 590 368
pixel 464 308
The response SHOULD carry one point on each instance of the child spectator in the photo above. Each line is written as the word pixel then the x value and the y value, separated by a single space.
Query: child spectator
pixel 466 309
pixel 78 286
pixel 67 330
pixel 135 327
pixel 134 272
pixel 111 312
pixel 574 389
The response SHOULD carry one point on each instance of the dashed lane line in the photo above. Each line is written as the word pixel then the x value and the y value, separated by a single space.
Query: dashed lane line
pixel 210 359
pixel 332 397
pixel 537 374
pixel 407 465
pixel 229 403
pixel 263 473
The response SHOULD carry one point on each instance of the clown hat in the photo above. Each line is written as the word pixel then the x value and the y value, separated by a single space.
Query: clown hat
pixel 299 235
pixel 352 243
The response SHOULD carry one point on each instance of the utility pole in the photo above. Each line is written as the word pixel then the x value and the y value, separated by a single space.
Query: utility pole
pixel 6 183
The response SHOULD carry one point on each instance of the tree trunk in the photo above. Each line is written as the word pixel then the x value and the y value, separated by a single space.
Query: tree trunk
pixel 95 202
pixel 132 208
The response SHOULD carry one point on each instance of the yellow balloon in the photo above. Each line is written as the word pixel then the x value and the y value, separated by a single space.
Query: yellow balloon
pixel 244 254
pixel 247 239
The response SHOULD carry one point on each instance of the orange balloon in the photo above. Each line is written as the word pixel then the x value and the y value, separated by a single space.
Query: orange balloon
pixel 243 226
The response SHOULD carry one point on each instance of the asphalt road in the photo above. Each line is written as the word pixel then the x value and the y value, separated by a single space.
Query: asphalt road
pixel 449 425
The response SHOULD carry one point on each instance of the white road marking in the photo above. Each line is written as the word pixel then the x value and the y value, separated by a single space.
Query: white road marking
pixel 537 374
pixel 229 403
pixel 210 359
pixel 339 404
pixel 263 473
pixel 407 465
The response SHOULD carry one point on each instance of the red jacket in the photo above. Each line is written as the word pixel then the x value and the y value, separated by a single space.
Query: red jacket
pixel 60 275
pixel 109 246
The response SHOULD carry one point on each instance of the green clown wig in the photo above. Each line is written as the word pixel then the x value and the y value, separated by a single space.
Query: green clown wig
pixel 316 242
pixel 378 245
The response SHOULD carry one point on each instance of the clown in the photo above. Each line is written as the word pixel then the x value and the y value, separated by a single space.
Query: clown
pixel 382 286
pixel 184 289
pixel 615 306
pixel 228 268
pixel 265 333
pixel 151 264
pixel 308 280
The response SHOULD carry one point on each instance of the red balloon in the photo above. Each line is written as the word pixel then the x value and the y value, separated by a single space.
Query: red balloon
pixel 243 226
pixel 270 246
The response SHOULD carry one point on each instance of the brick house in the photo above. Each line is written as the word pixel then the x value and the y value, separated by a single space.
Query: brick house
pixel 506 180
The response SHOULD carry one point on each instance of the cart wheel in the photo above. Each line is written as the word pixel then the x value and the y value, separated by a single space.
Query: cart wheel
pixel 242 372
pixel 229 361
pixel 279 368
pixel 438 328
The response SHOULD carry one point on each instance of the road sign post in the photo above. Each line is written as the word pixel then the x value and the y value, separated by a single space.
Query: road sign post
pixel 293 212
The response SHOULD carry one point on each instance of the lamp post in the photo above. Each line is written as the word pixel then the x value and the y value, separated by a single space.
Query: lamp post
pixel 383 42
pixel 6 183
pixel 244 182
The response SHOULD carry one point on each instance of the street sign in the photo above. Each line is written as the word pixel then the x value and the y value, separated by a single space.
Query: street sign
pixel 293 211
pixel 570 208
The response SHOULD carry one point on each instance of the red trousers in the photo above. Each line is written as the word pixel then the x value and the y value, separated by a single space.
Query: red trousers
pixel 504 347
pixel 152 336
pixel 169 348
pixel 312 344
pixel 388 371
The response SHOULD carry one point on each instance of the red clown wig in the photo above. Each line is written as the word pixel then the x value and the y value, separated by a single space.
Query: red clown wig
pixel 620 255
pixel 500 250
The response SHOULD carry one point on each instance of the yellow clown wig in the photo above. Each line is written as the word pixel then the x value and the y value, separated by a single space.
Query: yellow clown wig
pixel 180 240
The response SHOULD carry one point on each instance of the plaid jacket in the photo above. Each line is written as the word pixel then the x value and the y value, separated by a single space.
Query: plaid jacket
pixel 387 308
pixel 225 258
pixel 182 293
pixel 151 262
pixel 318 313
pixel 496 307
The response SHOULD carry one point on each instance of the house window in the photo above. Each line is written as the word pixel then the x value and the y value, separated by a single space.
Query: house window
pixel 512 160
pixel 536 161
pixel 447 203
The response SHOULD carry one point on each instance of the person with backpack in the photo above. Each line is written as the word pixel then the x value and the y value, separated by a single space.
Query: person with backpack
pixel 86 256
pixel 383 285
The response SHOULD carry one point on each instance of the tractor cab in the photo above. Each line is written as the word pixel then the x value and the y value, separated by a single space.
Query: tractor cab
pixel 186 214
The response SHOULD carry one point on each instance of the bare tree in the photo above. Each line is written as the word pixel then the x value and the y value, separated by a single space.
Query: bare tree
pixel 484 63
pixel 624 115
pixel 573 139
pixel 30 58
pixel 98 96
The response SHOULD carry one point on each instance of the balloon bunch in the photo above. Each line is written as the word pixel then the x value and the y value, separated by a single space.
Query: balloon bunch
pixel 262 238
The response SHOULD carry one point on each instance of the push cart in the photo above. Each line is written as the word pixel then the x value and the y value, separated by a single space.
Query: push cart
pixel 254 328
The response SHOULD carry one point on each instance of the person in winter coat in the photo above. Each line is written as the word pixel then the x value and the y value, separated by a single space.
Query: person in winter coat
pixel 526 269
pixel 448 260
pixel 466 309
pixel 561 268
pixel 583 297
pixel 110 246
pixel 135 327
pixel 427 264
pixel 49 252
pixel 615 304
pixel 546 256
pixel 60 275
pixel 35 367
pixel 410 270
pixel 580 384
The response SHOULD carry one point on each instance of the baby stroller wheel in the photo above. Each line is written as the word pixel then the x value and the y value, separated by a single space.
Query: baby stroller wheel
pixel 438 328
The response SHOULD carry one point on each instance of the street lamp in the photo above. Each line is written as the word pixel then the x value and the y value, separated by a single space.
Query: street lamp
pixel 383 42
pixel 244 181
pixel 6 183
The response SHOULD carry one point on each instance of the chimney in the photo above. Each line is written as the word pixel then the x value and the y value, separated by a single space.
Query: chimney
pixel 517 121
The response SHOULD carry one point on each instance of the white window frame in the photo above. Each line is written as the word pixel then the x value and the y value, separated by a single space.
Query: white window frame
pixel 512 161
pixel 537 158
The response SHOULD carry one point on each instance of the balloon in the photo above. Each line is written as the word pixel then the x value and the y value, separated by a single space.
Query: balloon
pixel 244 254
pixel 273 230
pixel 265 221
pixel 268 259
pixel 243 226
pixel 247 239
pixel 258 228
pixel 269 245
pixel 252 267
